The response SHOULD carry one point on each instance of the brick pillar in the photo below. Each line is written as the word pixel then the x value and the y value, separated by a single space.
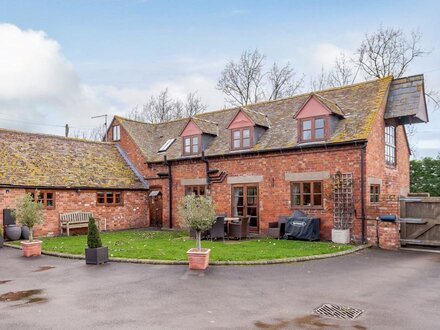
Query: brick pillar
pixel 372 232
pixel 389 235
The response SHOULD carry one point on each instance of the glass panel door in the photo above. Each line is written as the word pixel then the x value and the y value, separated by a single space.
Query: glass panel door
pixel 245 204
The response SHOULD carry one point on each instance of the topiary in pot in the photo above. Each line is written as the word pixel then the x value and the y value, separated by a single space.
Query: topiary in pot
pixel 197 213
pixel 29 213
pixel 95 253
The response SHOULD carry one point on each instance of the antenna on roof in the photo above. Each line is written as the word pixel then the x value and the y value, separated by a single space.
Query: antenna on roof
pixel 105 124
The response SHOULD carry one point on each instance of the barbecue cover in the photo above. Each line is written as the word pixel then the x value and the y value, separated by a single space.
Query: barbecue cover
pixel 302 228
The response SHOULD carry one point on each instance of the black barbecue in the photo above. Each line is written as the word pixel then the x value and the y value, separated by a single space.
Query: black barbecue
pixel 300 226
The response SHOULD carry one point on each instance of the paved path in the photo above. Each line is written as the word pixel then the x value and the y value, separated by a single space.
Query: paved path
pixel 397 290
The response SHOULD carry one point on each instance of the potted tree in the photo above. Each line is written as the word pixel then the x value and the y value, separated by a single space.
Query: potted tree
pixel 95 253
pixel 198 214
pixel 29 213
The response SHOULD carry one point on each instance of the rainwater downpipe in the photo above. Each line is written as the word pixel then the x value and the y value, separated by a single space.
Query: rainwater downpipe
pixel 363 191
pixel 170 191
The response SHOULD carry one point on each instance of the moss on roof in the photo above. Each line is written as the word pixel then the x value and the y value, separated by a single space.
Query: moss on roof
pixel 358 104
pixel 39 160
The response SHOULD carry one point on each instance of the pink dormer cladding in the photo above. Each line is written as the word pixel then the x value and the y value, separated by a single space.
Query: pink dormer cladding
pixel 191 129
pixel 241 120
pixel 312 108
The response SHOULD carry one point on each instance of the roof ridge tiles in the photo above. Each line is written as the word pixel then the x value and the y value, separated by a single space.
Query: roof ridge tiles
pixel 45 135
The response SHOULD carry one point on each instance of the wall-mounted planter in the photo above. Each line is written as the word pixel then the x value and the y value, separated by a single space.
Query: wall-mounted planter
pixel 341 236
pixel 31 249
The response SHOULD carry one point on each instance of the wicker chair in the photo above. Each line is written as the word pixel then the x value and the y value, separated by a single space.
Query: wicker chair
pixel 218 229
pixel 239 229
pixel 277 229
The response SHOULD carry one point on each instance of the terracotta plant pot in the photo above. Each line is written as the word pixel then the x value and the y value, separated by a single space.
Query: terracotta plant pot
pixel 31 249
pixel 198 259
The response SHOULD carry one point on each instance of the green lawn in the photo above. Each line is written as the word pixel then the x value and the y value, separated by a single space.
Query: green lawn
pixel 172 245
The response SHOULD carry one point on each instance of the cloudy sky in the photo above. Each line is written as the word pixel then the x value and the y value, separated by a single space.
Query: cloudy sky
pixel 65 61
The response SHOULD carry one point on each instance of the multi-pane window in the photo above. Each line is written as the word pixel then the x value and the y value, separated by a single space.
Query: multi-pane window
pixel 390 145
pixel 306 194
pixel 241 138
pixel 196 190
pixel 116 133
pixel 374 193
pixel 191 145
pixel 312 129
pixel 46 198
pixel 109 198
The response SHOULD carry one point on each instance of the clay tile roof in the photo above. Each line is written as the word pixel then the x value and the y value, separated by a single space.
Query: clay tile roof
pixel 47 161
pixel 206 126
pixel 258 118
pixel 332 106
pixel 357 106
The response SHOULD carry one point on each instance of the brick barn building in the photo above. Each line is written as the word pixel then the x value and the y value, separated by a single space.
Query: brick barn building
pixel 71 175
pixel 262 160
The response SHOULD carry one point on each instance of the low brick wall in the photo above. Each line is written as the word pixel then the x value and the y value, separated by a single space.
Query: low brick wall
pixel 386 235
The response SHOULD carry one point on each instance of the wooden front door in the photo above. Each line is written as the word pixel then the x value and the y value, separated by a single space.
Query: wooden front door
pixel 155 206
pixel 245 204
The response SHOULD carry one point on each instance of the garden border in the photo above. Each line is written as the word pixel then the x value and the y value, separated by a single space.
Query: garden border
pixel 211 263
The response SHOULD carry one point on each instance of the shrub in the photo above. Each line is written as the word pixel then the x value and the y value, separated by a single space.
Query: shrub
pixel 29 213
pixel 93 239
pixel 197 213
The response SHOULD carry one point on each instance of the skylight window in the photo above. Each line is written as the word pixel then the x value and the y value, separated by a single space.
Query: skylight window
pixel 166 145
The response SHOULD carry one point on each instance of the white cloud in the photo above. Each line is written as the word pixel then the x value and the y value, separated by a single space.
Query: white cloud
pixel 39 85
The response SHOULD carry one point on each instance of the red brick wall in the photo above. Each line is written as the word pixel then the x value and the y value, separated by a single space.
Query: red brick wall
pixel 133 214
pixel 274 190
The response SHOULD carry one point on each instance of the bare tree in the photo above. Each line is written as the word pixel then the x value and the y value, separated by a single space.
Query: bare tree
pixel 282 81
pixel 94 134
pixel 161 108
pixel 193 105
pixel 389 51
pixel 244 82
pixel 241 80
pixel 342 73
pixel 319 82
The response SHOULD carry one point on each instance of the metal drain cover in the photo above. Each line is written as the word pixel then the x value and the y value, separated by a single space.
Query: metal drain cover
pixel 340 312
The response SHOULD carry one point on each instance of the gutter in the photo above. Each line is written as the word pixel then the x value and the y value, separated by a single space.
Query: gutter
pixel 363 218
pixel 266 151
pixel 170 190
pixel 11 186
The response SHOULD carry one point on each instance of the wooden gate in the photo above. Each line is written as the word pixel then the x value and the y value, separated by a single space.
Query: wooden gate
pixel 420 218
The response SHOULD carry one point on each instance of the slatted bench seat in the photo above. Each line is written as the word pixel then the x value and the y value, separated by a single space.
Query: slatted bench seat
pixel 74 220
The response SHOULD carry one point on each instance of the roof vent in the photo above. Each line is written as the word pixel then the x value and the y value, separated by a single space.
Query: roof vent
pixel 166 145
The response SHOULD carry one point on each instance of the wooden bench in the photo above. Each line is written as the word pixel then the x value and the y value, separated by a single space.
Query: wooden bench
pixel 74 220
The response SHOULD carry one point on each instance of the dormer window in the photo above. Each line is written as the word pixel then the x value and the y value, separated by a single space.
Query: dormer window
pixel 317 118
pixel 246 127
pixel 312 129
pixel 241 138
pixel 191 145
pixel 116 133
